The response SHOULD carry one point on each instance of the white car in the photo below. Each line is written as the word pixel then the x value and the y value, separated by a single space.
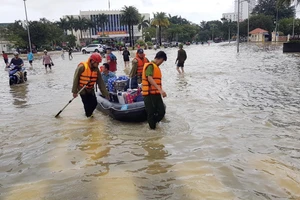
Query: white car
pixel 92 48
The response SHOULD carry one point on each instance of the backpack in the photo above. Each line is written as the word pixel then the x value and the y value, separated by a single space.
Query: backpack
pixel 112 57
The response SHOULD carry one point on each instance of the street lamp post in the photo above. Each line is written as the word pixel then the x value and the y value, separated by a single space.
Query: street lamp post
pixel 248 22
pixel 238 28
pixel 27 26
pixel 294 19
pixel 276 25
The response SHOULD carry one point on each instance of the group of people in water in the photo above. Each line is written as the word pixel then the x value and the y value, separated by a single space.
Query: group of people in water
pixel 88 74
pixel 147 73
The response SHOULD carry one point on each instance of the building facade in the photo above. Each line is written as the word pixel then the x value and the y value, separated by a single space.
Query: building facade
pixel 246 8
pixel 113 28
pixel 230 16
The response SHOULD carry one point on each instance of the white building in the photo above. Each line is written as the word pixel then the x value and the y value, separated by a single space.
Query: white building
pixel 230 16
pixel 113 28
pixel 246 6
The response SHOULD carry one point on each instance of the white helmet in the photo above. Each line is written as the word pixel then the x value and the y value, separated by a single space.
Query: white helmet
pixel 45 50
pixel 16 53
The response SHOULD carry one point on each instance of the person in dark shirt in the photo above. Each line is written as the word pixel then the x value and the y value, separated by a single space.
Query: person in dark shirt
pixel 126 55
pixel 70 53
pixel 16 61
pixel 18 64
pixel 181 57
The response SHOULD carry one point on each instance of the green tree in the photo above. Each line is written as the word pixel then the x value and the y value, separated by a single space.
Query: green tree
pixel 16 34
pixel 82 25
pixel 130 17
pixel 63 24
pixel 71 23
pixel 269 8
pixel 257 21
pixel 177 20
pixel 160 19
pixel 143 23
pixel 287 2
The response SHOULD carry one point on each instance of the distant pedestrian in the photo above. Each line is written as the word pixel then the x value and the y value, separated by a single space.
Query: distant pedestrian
pixel 70 53
pixel 126 55
pixel 30 57
pixel 111 60
pixel 63 54
pixel 47 61
pixel 5 57
pixel 181 57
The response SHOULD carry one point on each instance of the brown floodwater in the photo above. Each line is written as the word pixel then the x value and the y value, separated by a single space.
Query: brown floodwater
pixel 231 131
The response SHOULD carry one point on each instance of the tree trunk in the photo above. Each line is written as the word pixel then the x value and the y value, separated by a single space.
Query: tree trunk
pixel 102 27
pixel 159 28
pixel 80 34
pixel 91 34
pixel 132 36
pixel 129 29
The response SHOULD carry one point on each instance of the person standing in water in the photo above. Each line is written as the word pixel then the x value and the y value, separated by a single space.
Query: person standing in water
pixel 70 53
pixel 87 75
pixel 181 57
pixel 30 58
pixel 5 57
pixel 126 55
pixel 47 61
pixel 153 91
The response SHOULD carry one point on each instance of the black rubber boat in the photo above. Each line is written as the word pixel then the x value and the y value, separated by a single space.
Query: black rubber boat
pixel 134 112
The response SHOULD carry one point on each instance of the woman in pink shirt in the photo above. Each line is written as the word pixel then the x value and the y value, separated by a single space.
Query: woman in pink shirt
pixel 47 61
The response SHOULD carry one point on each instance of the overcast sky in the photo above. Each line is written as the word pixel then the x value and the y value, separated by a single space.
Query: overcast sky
pixel 193 10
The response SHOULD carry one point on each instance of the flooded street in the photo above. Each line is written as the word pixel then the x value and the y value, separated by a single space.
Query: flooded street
pixel 231 132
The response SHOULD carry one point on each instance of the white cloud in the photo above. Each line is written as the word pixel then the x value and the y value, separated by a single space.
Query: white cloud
pixel 193 10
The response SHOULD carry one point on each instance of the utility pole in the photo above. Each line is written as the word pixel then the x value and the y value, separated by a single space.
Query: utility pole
pixel 294 18
pixel 238 29
pixel 276 25
pixel 248 22
pixel 28 32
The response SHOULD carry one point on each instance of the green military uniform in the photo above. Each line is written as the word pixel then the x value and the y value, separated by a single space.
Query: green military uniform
pixel 181 57
pixel 154 105
pixel 88 96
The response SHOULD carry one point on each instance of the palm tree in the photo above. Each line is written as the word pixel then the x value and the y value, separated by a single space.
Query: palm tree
pixel 160 19
pixel 287 2
pixel 130 17
pixel 90 24
pixel 143 24
pixel 71 23
pixel 103 19
pixel 63 24
pixel 82 25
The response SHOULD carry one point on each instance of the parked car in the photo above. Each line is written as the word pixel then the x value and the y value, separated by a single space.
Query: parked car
pixel 92 48
pixel 58 48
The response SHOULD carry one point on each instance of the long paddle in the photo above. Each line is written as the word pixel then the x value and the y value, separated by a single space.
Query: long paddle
pixel 72 99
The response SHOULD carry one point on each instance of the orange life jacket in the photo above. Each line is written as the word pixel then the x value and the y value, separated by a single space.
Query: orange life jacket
pixel 147 88
pixel 88 75
pixel 140 65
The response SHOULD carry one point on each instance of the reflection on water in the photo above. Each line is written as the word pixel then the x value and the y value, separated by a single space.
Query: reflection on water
pixel 231 132
pixel 19 95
